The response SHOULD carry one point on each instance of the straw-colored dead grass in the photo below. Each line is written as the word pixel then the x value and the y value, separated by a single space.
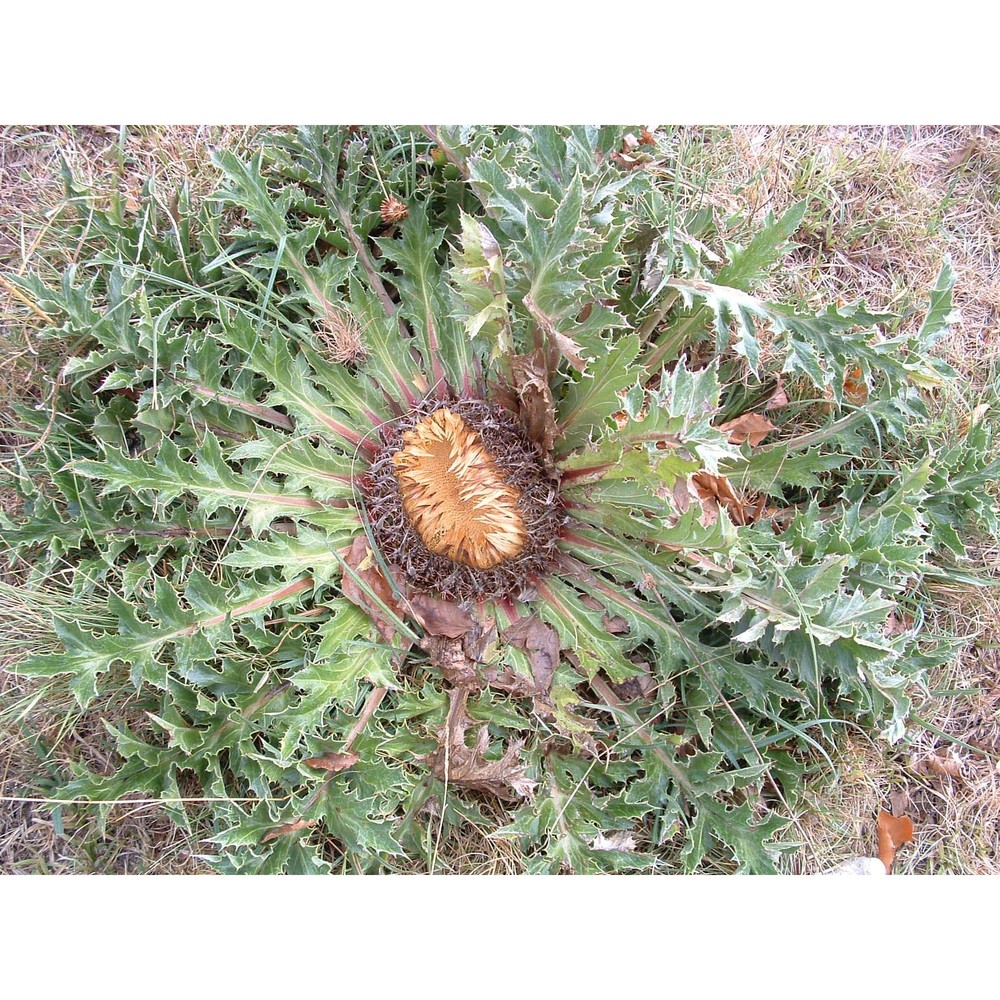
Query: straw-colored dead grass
pixel 886 203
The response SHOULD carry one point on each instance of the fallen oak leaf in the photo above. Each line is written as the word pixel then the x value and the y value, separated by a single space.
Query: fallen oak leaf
pixel 333 762
pixel 294 827
pixel 458 764
pixel 893 832
pixel 750 427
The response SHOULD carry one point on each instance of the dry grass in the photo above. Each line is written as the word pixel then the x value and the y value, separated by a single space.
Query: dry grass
pixel 886 204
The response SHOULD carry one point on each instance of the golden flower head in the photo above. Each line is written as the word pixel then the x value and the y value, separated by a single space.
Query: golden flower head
pixel 455 495
pixel 460 501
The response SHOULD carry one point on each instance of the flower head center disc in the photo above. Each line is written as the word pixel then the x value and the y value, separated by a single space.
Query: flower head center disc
pixel 455 494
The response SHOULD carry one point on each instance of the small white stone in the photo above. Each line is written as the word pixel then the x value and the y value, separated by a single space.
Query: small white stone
pixel 859 866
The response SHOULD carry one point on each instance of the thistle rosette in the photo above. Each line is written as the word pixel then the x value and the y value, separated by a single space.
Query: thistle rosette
pixel 369 479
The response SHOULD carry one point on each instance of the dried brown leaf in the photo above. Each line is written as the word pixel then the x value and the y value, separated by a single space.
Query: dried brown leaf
pixel 294 827
pixel 899 802
pixel 535 405
pixel 619 840
pixel 941 762
pixel 779 397
pixel 540 643
pixel 459 659
pixel 360 558
pixel 333 762
pixel 449 656
pixel 458 764
pixel 961 156
pixel 566 346
pixel 615 624
pixel 642 686
pixel 972 418
pixel 625 161
pixel 750 427
pixel 718 490
pixel 893 832
pixel 855 387
pixel 439 617
pixel 897 623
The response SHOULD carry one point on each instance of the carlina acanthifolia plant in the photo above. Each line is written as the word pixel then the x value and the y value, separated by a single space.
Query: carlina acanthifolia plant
pixel 430 480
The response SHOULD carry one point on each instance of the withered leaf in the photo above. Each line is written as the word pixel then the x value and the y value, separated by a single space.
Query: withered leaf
pixel 449 656
pixel 511 682
pixel 619 840
pixel 893 832
pixel 566 346
pixel 899 802
pixel 535 405
pixel 962 155
pixel 333 762
pixel 540 643
pixel 625 161
pixel 286 828
pixel 779 397
pixel 718 490
pixel 614 624
pixel 941 762
pixel 439 617
pixel 855 387
pixel 751 427
pixel 897 624
pixel 360 559
pixel 973 418
pixel 459 659
pixel 459 764
pixel 641 686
